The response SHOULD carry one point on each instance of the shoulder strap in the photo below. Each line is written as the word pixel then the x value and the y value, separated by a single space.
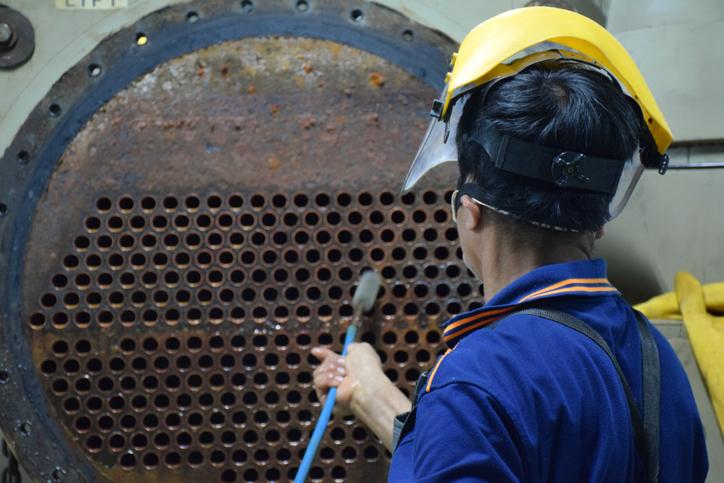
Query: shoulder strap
pixel 646 431
pixel 650 365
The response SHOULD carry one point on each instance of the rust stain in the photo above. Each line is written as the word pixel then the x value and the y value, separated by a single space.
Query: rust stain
pixel 251 90
pixel 329 137
pixel 320 84
pixel 273 109
pixel 377 80
pixel 372 118
pixel 273 162
pixel 334 48
pixel 224 70
pixel 308 67
pixel 239 151
pixel 306 120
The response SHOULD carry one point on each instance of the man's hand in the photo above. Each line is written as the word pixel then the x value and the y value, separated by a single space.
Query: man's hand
pixel 362 364
pixel 363 390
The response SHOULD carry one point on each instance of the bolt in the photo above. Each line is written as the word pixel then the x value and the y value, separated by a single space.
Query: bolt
pixel 6 33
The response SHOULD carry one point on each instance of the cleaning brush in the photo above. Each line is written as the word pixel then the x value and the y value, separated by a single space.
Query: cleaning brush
pixel 363 301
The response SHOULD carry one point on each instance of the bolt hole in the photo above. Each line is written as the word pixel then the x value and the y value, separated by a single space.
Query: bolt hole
pixel 3 209
pixel 54 110
pixel 94 70
pixel 4 377
pixel 408 35
pixel 247 6
pixel 357 15
pixel 23 157
pixel 58 474
pixel 302 5
pixel 192 16
pixel 26 428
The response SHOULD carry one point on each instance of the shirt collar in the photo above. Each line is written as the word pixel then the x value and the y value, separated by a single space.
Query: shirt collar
pixel 582 279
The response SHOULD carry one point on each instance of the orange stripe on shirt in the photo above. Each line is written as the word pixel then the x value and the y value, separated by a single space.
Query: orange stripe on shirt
pixel 580 289
pixel 488 320
pixel 473 317
pixel 429 382
pixel 576 288
pixel 560 284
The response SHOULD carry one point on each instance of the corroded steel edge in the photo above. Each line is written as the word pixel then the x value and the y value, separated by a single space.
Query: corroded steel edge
pixel 37 440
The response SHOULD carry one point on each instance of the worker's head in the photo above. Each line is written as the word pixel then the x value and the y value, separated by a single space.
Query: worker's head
pixel 562 106
pixel 550 120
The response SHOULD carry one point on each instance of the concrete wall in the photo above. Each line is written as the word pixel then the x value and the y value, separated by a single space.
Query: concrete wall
pixel 674 222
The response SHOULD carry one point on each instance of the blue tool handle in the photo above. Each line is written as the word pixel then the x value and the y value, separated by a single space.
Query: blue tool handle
pixel 323 418
pixel 349 338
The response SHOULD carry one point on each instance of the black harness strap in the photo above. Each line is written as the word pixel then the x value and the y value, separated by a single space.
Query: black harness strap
pixel 646 431
pixel 651 394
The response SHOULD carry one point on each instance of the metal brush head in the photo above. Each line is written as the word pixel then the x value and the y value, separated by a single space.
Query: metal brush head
pixel 366 293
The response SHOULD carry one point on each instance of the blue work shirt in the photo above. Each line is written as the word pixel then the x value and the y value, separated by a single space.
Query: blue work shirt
pixel 533 400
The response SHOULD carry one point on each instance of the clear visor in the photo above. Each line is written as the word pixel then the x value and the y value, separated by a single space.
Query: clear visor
pixel 435 151
pixel 630 175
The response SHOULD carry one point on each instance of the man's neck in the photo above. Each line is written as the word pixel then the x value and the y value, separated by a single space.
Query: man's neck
pixel 503 263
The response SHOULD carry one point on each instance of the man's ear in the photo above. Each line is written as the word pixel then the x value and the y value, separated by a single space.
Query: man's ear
pixel 600 233
pixel 475 213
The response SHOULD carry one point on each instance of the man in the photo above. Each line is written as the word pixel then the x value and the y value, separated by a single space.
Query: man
pixel 578 387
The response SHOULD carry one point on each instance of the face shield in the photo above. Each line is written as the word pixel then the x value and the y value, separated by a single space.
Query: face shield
pixel 565 169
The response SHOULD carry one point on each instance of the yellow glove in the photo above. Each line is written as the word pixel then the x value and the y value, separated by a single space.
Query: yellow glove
pixel 706 334
pixel 666 306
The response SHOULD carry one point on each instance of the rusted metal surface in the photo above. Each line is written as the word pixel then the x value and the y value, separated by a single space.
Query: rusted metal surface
pixel 200 233
pixel 172 330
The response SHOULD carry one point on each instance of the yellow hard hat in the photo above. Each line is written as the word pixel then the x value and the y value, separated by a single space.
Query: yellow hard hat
pixel 482 53
pixel 496 50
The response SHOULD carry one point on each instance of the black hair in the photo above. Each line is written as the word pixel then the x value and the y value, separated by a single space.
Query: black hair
pixel 556 105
